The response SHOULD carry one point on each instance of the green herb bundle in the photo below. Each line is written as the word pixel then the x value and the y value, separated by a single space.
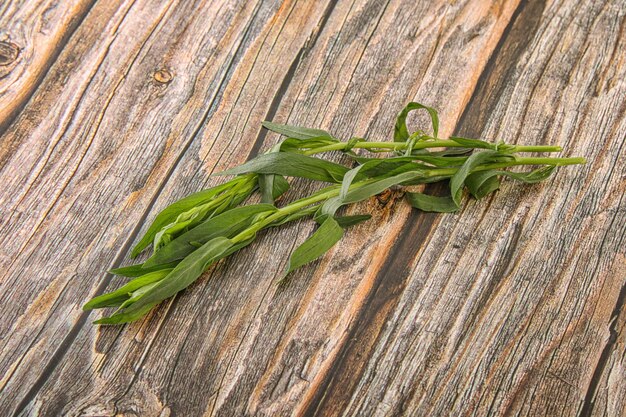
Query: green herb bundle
pixel 195 232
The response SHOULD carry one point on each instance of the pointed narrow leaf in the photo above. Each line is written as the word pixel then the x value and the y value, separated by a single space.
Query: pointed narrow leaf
pixel 120 318
pixel 299 145
pixel 231 197
pixel 266 184
pixel 482 183
pixel 376 187
pixel 291 165
pixel 458 179
pixel 185 273
pixel 349 177
pixel 271 187
pixel 472 143
pixel 171 212
pixel 279 186
pixel 296 131
pixel 137 294
pixel 432 203
pixel 138 270
pixel 349 221
pixel 328 209
pixel 363 192
pixel 227 224
pixel 531 177
pixel 117 297
pixel 401 133
pixel 316 245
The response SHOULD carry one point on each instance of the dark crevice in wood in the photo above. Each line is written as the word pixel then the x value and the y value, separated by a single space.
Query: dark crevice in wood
pixel 77 22
pixel 286 82
pixel 598 372
pixel 338 386
pixel 52 364
pixel 500 67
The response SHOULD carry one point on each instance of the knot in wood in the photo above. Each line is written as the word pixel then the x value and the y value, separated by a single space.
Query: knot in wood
pixel 163 76
pixel 8 53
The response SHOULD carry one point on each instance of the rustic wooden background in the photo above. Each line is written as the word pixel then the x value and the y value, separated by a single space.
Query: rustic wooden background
pixel 109 110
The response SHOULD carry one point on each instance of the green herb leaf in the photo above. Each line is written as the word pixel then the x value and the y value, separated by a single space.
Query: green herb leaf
pixel 363 192
pixel 349 221
pixel 227 224
pixel 291 165
pixel 401 133
pixel 482 183
pixel 458 179
pixel 485 182
pixel 170 213
pixel 370 189
pixel 127 317
pixel 137 270
pixel 316 245
pixel 272 187
pixel 117 297
pixel 185 273
pixel 532 177
pixel 299 145
pixel 432 203
pixel 472 143
pixel 296 132
pixel 349 177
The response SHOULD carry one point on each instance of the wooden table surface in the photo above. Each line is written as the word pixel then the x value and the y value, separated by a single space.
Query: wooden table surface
pixel 110 110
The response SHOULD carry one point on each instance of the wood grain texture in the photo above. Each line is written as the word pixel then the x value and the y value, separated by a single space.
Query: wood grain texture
pixel 32 34
pixel 514 306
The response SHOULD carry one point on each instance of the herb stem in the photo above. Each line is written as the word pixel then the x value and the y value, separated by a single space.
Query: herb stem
pixel 334 190
pixel 294 207
pixel 517 162
pixel 434 143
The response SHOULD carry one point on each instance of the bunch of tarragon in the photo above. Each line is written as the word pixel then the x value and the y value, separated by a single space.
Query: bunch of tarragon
pixel 197 231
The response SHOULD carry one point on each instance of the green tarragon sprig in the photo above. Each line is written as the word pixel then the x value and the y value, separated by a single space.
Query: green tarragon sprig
pixel 197 231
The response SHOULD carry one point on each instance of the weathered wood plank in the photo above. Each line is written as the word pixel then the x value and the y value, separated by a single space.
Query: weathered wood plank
pixel 511 307
pixel 32 34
